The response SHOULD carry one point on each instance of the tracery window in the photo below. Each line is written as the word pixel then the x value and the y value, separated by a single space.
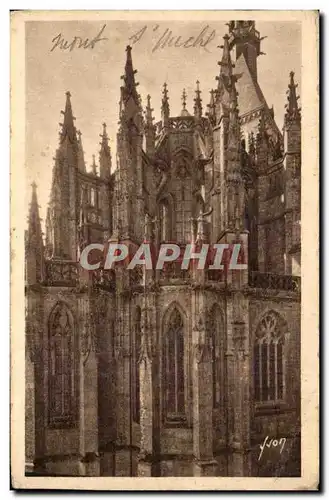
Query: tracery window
pixel 174 368
pixel 269 359
pixel 183 199
pixel 135 365
pixel 61 373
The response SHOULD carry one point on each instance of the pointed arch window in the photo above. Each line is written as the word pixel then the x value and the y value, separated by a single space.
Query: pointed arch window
pixel 217 340
pixel 62 370
pixel 135 365
pixel 269 359
pixel 174 368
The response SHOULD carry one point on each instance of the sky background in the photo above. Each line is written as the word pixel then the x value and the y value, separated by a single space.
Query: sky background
pixel 93 78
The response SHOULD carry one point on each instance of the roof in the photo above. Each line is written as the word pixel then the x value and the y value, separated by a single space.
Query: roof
pixel 250 95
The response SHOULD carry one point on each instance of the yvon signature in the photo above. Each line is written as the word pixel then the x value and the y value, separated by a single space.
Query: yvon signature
pixel 272 443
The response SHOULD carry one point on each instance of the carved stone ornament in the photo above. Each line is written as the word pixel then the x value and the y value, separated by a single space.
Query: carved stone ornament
pixel 202 351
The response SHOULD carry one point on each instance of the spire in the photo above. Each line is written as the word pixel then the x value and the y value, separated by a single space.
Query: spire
pixel 165 111
pixel 292 109
pixel 184 111
pixel 68 128
pixel 130 85
pixel 198 101
pixel 105 159
pixel 81 157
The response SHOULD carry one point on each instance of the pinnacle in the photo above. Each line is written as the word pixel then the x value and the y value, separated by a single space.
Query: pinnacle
pixel 68 128
pixel 293 111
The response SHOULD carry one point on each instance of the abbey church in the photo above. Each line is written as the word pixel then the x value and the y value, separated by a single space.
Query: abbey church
pixel 170 372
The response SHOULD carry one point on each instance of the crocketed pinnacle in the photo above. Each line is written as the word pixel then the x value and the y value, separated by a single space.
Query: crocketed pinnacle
pixel 105 160
pixel 81 158
pixel 149 111
pixel 34 221
pixel 130 85
pixel 68 128
pixel 197 101
pixel 94 166
pixel 292 109
pixel 226 66
pixel 165 111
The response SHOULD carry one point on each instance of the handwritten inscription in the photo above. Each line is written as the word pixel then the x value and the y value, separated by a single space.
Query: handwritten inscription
pixel 77 42
pixel 272 443
pixel 166 38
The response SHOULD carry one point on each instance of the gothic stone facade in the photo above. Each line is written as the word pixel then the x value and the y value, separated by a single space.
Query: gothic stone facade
pixel 170 373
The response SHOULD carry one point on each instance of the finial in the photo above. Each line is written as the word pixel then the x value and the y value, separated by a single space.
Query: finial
pixel 184 110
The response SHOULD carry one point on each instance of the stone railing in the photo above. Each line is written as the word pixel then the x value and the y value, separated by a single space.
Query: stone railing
pixel 61 273
pixel 274 281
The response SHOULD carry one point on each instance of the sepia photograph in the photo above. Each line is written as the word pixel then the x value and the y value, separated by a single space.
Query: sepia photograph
pixel 162 218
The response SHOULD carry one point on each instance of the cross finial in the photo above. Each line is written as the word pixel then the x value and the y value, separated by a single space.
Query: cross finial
pixel 184 99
